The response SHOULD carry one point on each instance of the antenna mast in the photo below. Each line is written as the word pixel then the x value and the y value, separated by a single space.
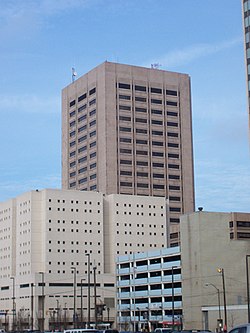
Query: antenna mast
pixel 74 74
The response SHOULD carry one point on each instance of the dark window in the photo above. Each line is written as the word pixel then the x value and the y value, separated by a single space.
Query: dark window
pixel 175 209
pixel 82 97
pixel 125 173
pixel 142 163
pixel 125 151
pixel 92 102
pixel 83 138
pixel 126 162
pixel 142 142
pixel 82 128
pixel 171 103
pixel 156 122
pixel 173 177
pixel 127 97
pixel 174 220
pixel 82 118
pixel 92 123
pixel 140 88
pixel 71 134
pixel 124 85
pixel 72 103
pixel 93 176
pixel 140 109
pixel 173 145
pixel 156 101
pixel 72 184
pixel 125 129
pixel 82 170
pixel 125 118
pixel 92 133
pixel 141 120
pixel 173 166
pixel 83 180
pixel 128 140
pixel 82 108
pixel 125 107
pixel 157 133
pixel 72 164
pixel 92 166
pixel 141 152
pixel 92 144
pixel 72 153
pixel 173 114
pixel 83 159
pixel 157 153
pixel 170 155
pixel 153 111
pixel 142 185
pixel 171 92
pixel 92 155
pixel 158 187
pixel 140 99
pixel 72 174
pixel 127 184
pixel 174 188
pixel 142 174
pixel 157 143
pixel 140 130
pixel 93 187
pixel 92 91
pixel 158 165
pixel 170 123
pixel 72 113
pixel 72 143
pixel 158 175
pixel 173 135
pixel 92 113
pixel 174 198
pixel 156 90
pixel 243 224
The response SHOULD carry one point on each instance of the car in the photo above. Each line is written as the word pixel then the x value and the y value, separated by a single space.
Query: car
pixel 243 328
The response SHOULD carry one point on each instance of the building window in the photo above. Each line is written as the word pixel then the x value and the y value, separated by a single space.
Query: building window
pixel 158 187
pixel 82 97
pixel 173 145
pixel 125 118
pixel 160 133
pixel 93 176
pixel 173 177
pixel 141 152
pixel 142 174
pixel 72 103
pixel 128 162
pixel 127 97
pixel 158 175
pixel 81 108
pixel 158 165
pixel 125 173
pixel 171 92
pixel 174 187
pixel 72 113
pixel 173 166
pixel 171 155
pixel 140 99
pixel 153 111
pixel 141 130
pixel 174 198
pixel 123 85
pixel 80 150
pixel 92 91
pixel 82 118
pixel 142 185
pixel 92 113
pixel 141 120
pixel 140 88
pixel 173 135
pixel 156 101
pixel 83 138
pixel 92 102
pixel 125 129
pixel 171 103
pixel 141 163
pixel 127 184
pixel 125 107
pixel 127 140
pixel 157 153
pixel 91 134
pixel 172 114
pixel 172 124
pixel 156 122
pixel 125 151
pixel 140 110
pixel 92 155
pixel 82 170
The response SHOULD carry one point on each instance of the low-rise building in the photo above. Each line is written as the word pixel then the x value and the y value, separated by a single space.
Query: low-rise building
pixel 149 290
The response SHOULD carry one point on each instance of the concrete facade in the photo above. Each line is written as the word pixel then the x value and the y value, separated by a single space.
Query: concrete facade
pixel 51 235
pixel 210 241
pixel 127 130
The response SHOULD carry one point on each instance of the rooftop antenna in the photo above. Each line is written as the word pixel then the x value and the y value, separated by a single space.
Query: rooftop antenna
pixel 156 65
pixel 74 74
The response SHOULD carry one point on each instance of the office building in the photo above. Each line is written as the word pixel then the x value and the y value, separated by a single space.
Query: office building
pixel 149 290
pixel 214 247
pixel 127 130
pixel 246 26
pixel 53 243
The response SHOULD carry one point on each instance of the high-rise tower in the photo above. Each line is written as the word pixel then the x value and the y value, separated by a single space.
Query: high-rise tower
pixel 127 130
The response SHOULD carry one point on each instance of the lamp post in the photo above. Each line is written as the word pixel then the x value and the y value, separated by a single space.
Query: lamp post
pixel 32 305
pixel 65 317
pixel 173 296
pixel 218 294
pixel 13 304
pixel 248 296
pixel 74 288
pixel 88 256
pixel 43 300
pixel 81 304
pixel 94 269
pixel 221 271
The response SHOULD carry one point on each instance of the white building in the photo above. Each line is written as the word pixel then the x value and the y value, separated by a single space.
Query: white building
pixel 149 290
pixel 50 242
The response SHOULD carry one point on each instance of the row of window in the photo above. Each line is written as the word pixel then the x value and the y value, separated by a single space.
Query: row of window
pixel 153 90
pixel 154 164
pixel 145 121
pixel 144 100
pixel 155 186
pixel 153 132
pixel 82 97
pixel 154 143
pixel 145 152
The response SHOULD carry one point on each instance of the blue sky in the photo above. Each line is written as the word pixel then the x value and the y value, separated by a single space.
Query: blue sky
pixel 40 40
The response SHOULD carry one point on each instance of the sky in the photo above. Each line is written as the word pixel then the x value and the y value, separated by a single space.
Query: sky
pixel 41 40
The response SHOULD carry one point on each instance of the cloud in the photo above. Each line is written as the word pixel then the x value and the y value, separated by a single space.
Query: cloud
pixel 30 103
pixel 191 53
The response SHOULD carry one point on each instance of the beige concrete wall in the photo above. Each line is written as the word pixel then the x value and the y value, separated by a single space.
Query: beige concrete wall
pixel 205 247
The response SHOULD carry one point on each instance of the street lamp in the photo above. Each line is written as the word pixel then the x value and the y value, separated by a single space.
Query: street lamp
pixel 88 255
pixel 173 296
pixel 94 270
pixel 13 304
pixel 81 303
pixel 32 305
pixel 248 301
pixel 43 300
pixel 221 271
pixel 218 294
pixel 74 284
